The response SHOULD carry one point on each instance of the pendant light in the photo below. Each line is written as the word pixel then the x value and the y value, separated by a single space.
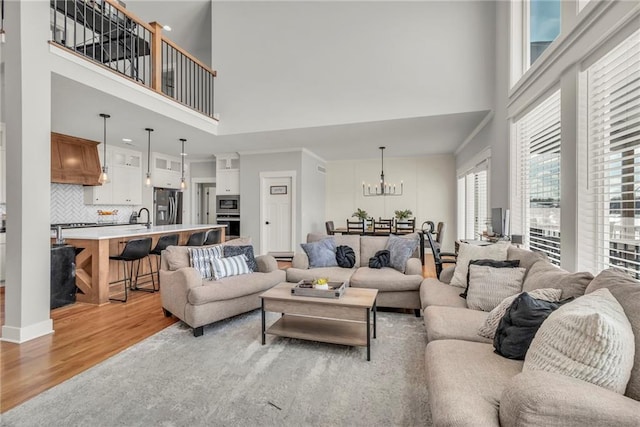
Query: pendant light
pixel 384 188
pixel 104 177
pixel 183 183
pixel 147 181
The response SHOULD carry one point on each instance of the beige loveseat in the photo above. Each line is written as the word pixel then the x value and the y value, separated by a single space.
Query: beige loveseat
pixel 198 302
pixel 395 289
pixel 470 385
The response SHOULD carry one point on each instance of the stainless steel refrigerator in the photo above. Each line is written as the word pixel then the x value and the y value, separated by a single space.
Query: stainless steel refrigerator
pixel 167 206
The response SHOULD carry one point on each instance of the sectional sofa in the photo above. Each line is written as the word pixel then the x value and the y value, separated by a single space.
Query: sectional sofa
pixel 470 385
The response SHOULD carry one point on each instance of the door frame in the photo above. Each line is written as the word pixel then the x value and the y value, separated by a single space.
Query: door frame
pixel 292 174
pixel 194 194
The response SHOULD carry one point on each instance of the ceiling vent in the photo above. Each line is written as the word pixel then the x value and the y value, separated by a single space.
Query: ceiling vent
pixel 322 169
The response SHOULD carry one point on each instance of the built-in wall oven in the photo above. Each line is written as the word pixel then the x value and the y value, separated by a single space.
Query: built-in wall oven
pixel 228 205
pixel 233 225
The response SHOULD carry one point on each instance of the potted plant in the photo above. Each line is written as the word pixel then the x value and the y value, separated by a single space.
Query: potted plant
pixel 362 214
pixel 402 215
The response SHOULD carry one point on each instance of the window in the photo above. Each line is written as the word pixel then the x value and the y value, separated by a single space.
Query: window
pixel 544 26
pixel 535 192
pixel 611 203
pixel 473 202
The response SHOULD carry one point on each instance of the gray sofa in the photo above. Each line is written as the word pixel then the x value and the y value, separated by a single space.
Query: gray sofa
pixel 198 302
pixel 470 385
pixel 395 289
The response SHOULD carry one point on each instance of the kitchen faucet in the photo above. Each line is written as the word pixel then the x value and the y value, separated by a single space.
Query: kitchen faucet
pixel 148 223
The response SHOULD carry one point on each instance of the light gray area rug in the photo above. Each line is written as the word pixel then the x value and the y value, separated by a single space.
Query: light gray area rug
pixel 226 377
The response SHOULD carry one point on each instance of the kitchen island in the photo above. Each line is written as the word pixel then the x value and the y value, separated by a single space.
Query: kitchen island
pixel 94 270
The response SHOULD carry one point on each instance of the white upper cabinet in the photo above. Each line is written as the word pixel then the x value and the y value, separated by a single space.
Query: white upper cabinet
pixel 227 174
pixel 124 187
pixel 166 171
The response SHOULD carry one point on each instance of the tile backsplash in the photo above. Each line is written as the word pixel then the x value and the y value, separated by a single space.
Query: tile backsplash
pixel 67 205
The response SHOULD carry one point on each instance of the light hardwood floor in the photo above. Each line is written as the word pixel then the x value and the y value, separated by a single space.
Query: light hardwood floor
pixel 85 335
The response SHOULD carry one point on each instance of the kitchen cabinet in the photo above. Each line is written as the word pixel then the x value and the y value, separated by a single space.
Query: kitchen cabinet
pixel 228 182
pixel 125 180
pixel 166 171
pixel 74 160
pixel 227 174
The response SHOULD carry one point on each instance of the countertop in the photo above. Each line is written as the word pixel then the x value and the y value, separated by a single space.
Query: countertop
pixel 101 233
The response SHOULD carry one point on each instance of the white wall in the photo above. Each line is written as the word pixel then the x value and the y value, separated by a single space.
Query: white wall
pixel 319 63
pixel 250 167
pixel 429 190
pixel 495 134
pixel 202 169
pixel 312 194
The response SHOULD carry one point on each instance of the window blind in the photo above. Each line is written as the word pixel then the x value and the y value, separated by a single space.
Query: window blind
pixel 473 201
pixel 611 205
pixel 461 207
pixel 481 201
pixel 537 199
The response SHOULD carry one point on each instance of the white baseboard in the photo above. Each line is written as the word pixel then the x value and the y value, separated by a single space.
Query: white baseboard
pixel 19 335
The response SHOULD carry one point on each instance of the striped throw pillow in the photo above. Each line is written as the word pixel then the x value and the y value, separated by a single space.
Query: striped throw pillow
pixel 200 259
pixel 230 266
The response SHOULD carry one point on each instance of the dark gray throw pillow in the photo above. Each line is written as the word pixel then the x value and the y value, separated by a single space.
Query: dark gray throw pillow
pixel 321 253
pixel 489 263
pixel 247 250
pixel 345 256
pixel 520 323
pixel 380 259
pixel 400 250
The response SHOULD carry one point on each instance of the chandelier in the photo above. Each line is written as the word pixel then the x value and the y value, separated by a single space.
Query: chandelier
pixel 383 188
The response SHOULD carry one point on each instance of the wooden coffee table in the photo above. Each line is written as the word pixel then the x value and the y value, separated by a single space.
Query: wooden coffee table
pixel 345 320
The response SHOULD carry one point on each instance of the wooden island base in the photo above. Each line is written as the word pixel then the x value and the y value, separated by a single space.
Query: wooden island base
pixel 94 269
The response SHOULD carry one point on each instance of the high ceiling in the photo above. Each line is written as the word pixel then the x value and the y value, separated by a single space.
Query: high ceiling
pixel 405 77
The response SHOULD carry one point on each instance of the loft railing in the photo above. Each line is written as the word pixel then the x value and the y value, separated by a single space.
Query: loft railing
pixel 106 33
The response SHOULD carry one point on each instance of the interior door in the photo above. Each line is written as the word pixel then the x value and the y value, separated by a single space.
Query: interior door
pixel 277 222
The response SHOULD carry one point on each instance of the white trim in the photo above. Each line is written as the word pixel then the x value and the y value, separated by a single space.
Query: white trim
pixel 280 150
pixel 474 162
pixel 526 107
pixel 194 196
pixel 591 14
pixel 475 131
pixel 19 335
pixel 312 154
pixel 279 174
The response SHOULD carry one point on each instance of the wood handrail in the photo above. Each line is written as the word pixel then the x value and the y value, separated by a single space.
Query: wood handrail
pixel 191 57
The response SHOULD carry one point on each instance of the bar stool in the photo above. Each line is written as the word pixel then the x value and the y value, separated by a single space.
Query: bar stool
pixel 213 237
pixel 196 239
pixel 162 244
pixel 134 250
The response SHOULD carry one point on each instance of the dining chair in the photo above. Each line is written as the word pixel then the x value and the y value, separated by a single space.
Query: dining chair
pixel 439 261
pixel 331 230
pixel 382 226
pixel 405 226
pixel 355 227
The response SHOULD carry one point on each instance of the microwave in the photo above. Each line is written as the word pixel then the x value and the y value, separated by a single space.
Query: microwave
pixel 226 205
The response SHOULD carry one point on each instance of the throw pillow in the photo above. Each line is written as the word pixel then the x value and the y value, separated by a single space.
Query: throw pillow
pixel 626 290
pixel 345 256
pixel 590 339
pixel 488 329
pixel 247 250
pixel 230 266
pixel 519 325
pixel 468 252
pixel 488 286
pixel 400 250
pixel 489 263
pixel 321 253
pixel 200 259
pixel 543 273
pixel 380 259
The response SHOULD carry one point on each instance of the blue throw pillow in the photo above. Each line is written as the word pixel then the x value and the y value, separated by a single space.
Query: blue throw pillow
pixel 246 250
pixel 400 249
pixel 321 253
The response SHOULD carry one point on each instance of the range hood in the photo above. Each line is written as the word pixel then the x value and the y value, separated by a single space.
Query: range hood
pixel 74 160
